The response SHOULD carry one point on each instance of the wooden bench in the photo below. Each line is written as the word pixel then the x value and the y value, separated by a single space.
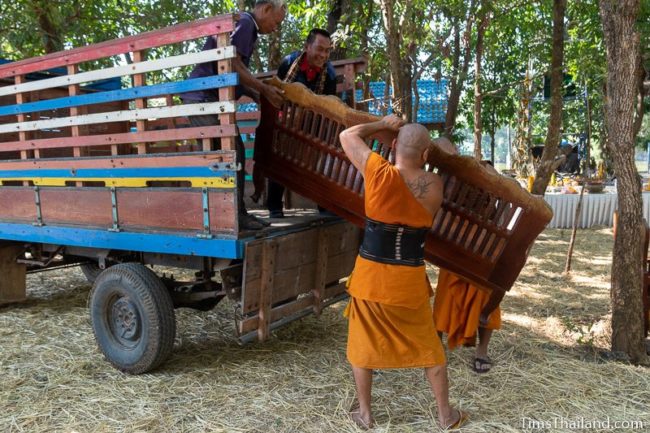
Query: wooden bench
pixel 487 223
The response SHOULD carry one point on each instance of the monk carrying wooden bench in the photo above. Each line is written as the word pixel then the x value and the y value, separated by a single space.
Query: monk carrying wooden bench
pixel 390 316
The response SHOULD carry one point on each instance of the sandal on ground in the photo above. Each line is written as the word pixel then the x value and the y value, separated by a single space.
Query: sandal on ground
pixel 462 419
pixel 482 365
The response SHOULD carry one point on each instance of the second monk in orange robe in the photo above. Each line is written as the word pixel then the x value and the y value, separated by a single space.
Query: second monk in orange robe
pixel 457 308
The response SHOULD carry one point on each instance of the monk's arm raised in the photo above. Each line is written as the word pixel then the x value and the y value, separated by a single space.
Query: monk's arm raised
pixel 353 139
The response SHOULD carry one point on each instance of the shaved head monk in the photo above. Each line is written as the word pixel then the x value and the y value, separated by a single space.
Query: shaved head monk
pixel 390 317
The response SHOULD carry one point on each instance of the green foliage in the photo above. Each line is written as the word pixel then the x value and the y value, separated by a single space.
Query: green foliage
pixel 519 32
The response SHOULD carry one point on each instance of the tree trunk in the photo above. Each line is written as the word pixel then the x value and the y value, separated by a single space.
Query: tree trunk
pixel 334 15
pixel 246 5
pixel 622 45
pixel 275 47
pixel 545 167
pixel 478 96
pixel 400 66
pixel 603 143
pixel 640 76
pixel 364 48
pixel 459 69
pixel 574 230
pixel 521 157
pixel 340 9
pixel 406 75
pixel 387 97
pixel 416 92
pixel 587 171
pixel 454 92
pixel 50 33
pixel 493 157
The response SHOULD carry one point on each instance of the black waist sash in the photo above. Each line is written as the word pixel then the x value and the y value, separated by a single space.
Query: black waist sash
pixel 393 244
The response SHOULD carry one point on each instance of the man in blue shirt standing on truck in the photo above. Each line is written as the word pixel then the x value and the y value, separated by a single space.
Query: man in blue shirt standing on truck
pixel 265 18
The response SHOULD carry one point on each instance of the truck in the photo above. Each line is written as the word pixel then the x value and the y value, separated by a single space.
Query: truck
pixel 100 168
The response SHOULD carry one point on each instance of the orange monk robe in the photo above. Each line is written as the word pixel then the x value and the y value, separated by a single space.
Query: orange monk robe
pixel 457 309
pixel 390 317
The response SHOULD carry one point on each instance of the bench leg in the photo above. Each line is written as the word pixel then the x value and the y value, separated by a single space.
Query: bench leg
pixel 13 276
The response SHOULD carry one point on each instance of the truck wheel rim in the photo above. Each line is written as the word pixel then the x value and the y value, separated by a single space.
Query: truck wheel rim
pixel 125 322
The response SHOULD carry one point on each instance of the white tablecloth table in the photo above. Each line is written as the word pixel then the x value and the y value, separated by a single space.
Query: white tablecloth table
pixel 597 209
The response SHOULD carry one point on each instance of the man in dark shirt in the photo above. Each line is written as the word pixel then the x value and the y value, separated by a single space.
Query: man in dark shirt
pixel 311 67
pixel 265 18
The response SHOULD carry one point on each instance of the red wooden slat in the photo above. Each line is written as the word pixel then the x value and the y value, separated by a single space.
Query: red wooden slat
pixel 249 115
pixel 247 129
pixel 156 38
pixel 88 207
pixel 177 210
pixel 130 137
pixel 22 204
pixel 144 209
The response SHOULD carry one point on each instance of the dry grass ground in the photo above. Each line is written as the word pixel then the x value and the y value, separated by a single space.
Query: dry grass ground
pixel 552 369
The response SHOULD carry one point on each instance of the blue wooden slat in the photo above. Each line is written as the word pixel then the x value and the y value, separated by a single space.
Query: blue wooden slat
pixel 212 82
pixel 247 123
pixel 221 247
pixel 248 107
pixel 156 172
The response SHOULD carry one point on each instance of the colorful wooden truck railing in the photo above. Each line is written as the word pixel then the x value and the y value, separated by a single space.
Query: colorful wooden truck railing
pixel 114 181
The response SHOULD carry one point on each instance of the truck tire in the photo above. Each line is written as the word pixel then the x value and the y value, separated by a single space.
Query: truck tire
pixel 91 271
pixel 132 317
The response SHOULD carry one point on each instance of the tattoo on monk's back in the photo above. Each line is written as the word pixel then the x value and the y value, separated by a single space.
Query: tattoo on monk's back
pixel 420 186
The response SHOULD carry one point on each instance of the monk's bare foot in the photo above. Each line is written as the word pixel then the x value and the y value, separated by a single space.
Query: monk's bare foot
pixel 456 420
pixel 363 420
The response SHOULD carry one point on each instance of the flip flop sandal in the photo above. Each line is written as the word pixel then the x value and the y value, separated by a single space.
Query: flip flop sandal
pixel 463 417
pixel 482 365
